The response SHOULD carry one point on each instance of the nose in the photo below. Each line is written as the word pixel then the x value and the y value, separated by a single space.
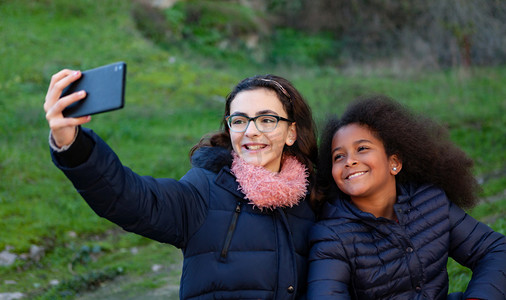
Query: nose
pixel 351 161
pixel 251 129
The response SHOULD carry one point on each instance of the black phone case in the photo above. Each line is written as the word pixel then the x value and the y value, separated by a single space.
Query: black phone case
pixel 105 88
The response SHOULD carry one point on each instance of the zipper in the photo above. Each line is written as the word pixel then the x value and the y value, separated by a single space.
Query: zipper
pixel 230 233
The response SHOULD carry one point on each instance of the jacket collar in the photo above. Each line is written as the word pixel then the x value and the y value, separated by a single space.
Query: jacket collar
pixel 218 160
pixel 227 181
pixel 212 158
pixel 341 207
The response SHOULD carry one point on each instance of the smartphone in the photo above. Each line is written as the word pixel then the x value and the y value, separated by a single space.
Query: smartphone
pixel 105 91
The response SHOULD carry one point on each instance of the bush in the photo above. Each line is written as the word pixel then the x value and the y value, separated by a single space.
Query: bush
pixel 231 31
pixel 289 46
pixel 217 28
pixel 431 33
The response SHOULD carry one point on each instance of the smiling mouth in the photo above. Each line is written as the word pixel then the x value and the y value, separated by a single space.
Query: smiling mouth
pixel 351 176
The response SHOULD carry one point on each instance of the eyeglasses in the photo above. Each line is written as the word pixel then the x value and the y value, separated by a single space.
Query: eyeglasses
pixel 264 123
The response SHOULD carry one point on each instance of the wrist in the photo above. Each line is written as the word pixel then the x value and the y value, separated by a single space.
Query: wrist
pixel 59 146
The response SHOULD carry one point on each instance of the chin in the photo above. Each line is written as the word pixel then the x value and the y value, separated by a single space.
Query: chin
pixel 253 160
pixel 352 193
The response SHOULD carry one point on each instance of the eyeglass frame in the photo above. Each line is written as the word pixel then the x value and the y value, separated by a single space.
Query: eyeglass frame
pixel 254 119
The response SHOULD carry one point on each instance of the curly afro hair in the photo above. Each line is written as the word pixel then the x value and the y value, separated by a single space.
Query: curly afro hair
pixel 424 147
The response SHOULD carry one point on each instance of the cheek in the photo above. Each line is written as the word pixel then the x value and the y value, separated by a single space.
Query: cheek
pixel 336 174
pixel 278 137
pixel 235 139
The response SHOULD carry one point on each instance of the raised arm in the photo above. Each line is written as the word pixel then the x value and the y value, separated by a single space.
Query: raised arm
pixel 166 210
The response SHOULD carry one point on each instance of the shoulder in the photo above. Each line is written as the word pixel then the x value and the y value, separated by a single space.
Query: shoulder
pixel 422 206
pixel 426 196
pixel 337 209
pixel 426 190
pixel 338 219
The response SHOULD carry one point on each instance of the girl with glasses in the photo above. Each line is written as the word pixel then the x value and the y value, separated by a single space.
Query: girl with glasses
pixel 241 215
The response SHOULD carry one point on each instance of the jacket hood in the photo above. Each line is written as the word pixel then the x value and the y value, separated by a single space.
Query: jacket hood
pixel 212 158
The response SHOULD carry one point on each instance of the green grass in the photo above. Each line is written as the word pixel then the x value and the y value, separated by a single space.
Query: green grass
pixel 173 97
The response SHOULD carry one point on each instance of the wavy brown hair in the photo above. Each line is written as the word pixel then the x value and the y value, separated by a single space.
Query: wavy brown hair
pixel 424 147
pixel 305 147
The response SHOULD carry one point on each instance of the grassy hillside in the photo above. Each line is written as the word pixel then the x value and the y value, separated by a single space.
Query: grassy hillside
pixel 173 97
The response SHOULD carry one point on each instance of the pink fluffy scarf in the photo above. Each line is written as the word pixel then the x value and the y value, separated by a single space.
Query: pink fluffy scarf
pixel 266 189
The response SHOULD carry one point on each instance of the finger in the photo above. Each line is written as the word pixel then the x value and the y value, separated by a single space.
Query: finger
pixel 60 123
pixel 58 76
pixel 58 82
pixel 56 109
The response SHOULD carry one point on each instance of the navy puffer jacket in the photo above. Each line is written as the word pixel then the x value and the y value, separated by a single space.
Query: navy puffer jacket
pixel 231 250
pixel 357 256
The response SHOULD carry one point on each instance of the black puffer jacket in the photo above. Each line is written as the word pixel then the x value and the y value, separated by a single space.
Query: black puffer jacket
pixel 355 255
pixel 231 250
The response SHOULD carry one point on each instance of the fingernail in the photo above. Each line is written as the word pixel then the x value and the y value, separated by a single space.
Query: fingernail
pixel 75 73
pixel 81 93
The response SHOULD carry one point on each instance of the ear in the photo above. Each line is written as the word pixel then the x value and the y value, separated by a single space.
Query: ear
pixel 395 164
pixel 292 135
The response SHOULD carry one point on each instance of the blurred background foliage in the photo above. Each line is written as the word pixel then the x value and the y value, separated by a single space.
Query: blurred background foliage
pixel 415 34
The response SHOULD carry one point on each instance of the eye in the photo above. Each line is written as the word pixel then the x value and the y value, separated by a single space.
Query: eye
pixel 267 120
pixel 337 157
pixel 362 148
pixel 238 120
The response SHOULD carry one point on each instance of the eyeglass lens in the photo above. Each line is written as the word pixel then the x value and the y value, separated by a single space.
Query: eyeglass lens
pixel 262 123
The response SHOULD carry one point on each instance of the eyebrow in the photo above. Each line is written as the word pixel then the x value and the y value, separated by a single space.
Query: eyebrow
pixel 354 143
pixel 262 112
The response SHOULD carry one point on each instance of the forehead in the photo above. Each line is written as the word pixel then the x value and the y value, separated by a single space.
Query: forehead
pixel 353 133
pixel 257 100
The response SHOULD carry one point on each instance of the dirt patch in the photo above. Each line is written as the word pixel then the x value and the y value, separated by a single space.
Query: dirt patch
pixel 127 288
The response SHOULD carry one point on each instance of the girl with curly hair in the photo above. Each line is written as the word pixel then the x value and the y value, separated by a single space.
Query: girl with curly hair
pixel 395 186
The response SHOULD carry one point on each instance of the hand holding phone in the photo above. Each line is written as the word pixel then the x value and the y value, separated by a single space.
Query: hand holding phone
pixel 105 91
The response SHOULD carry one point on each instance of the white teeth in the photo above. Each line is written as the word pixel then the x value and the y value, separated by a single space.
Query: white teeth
pixel 355 175
pixel 256 147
